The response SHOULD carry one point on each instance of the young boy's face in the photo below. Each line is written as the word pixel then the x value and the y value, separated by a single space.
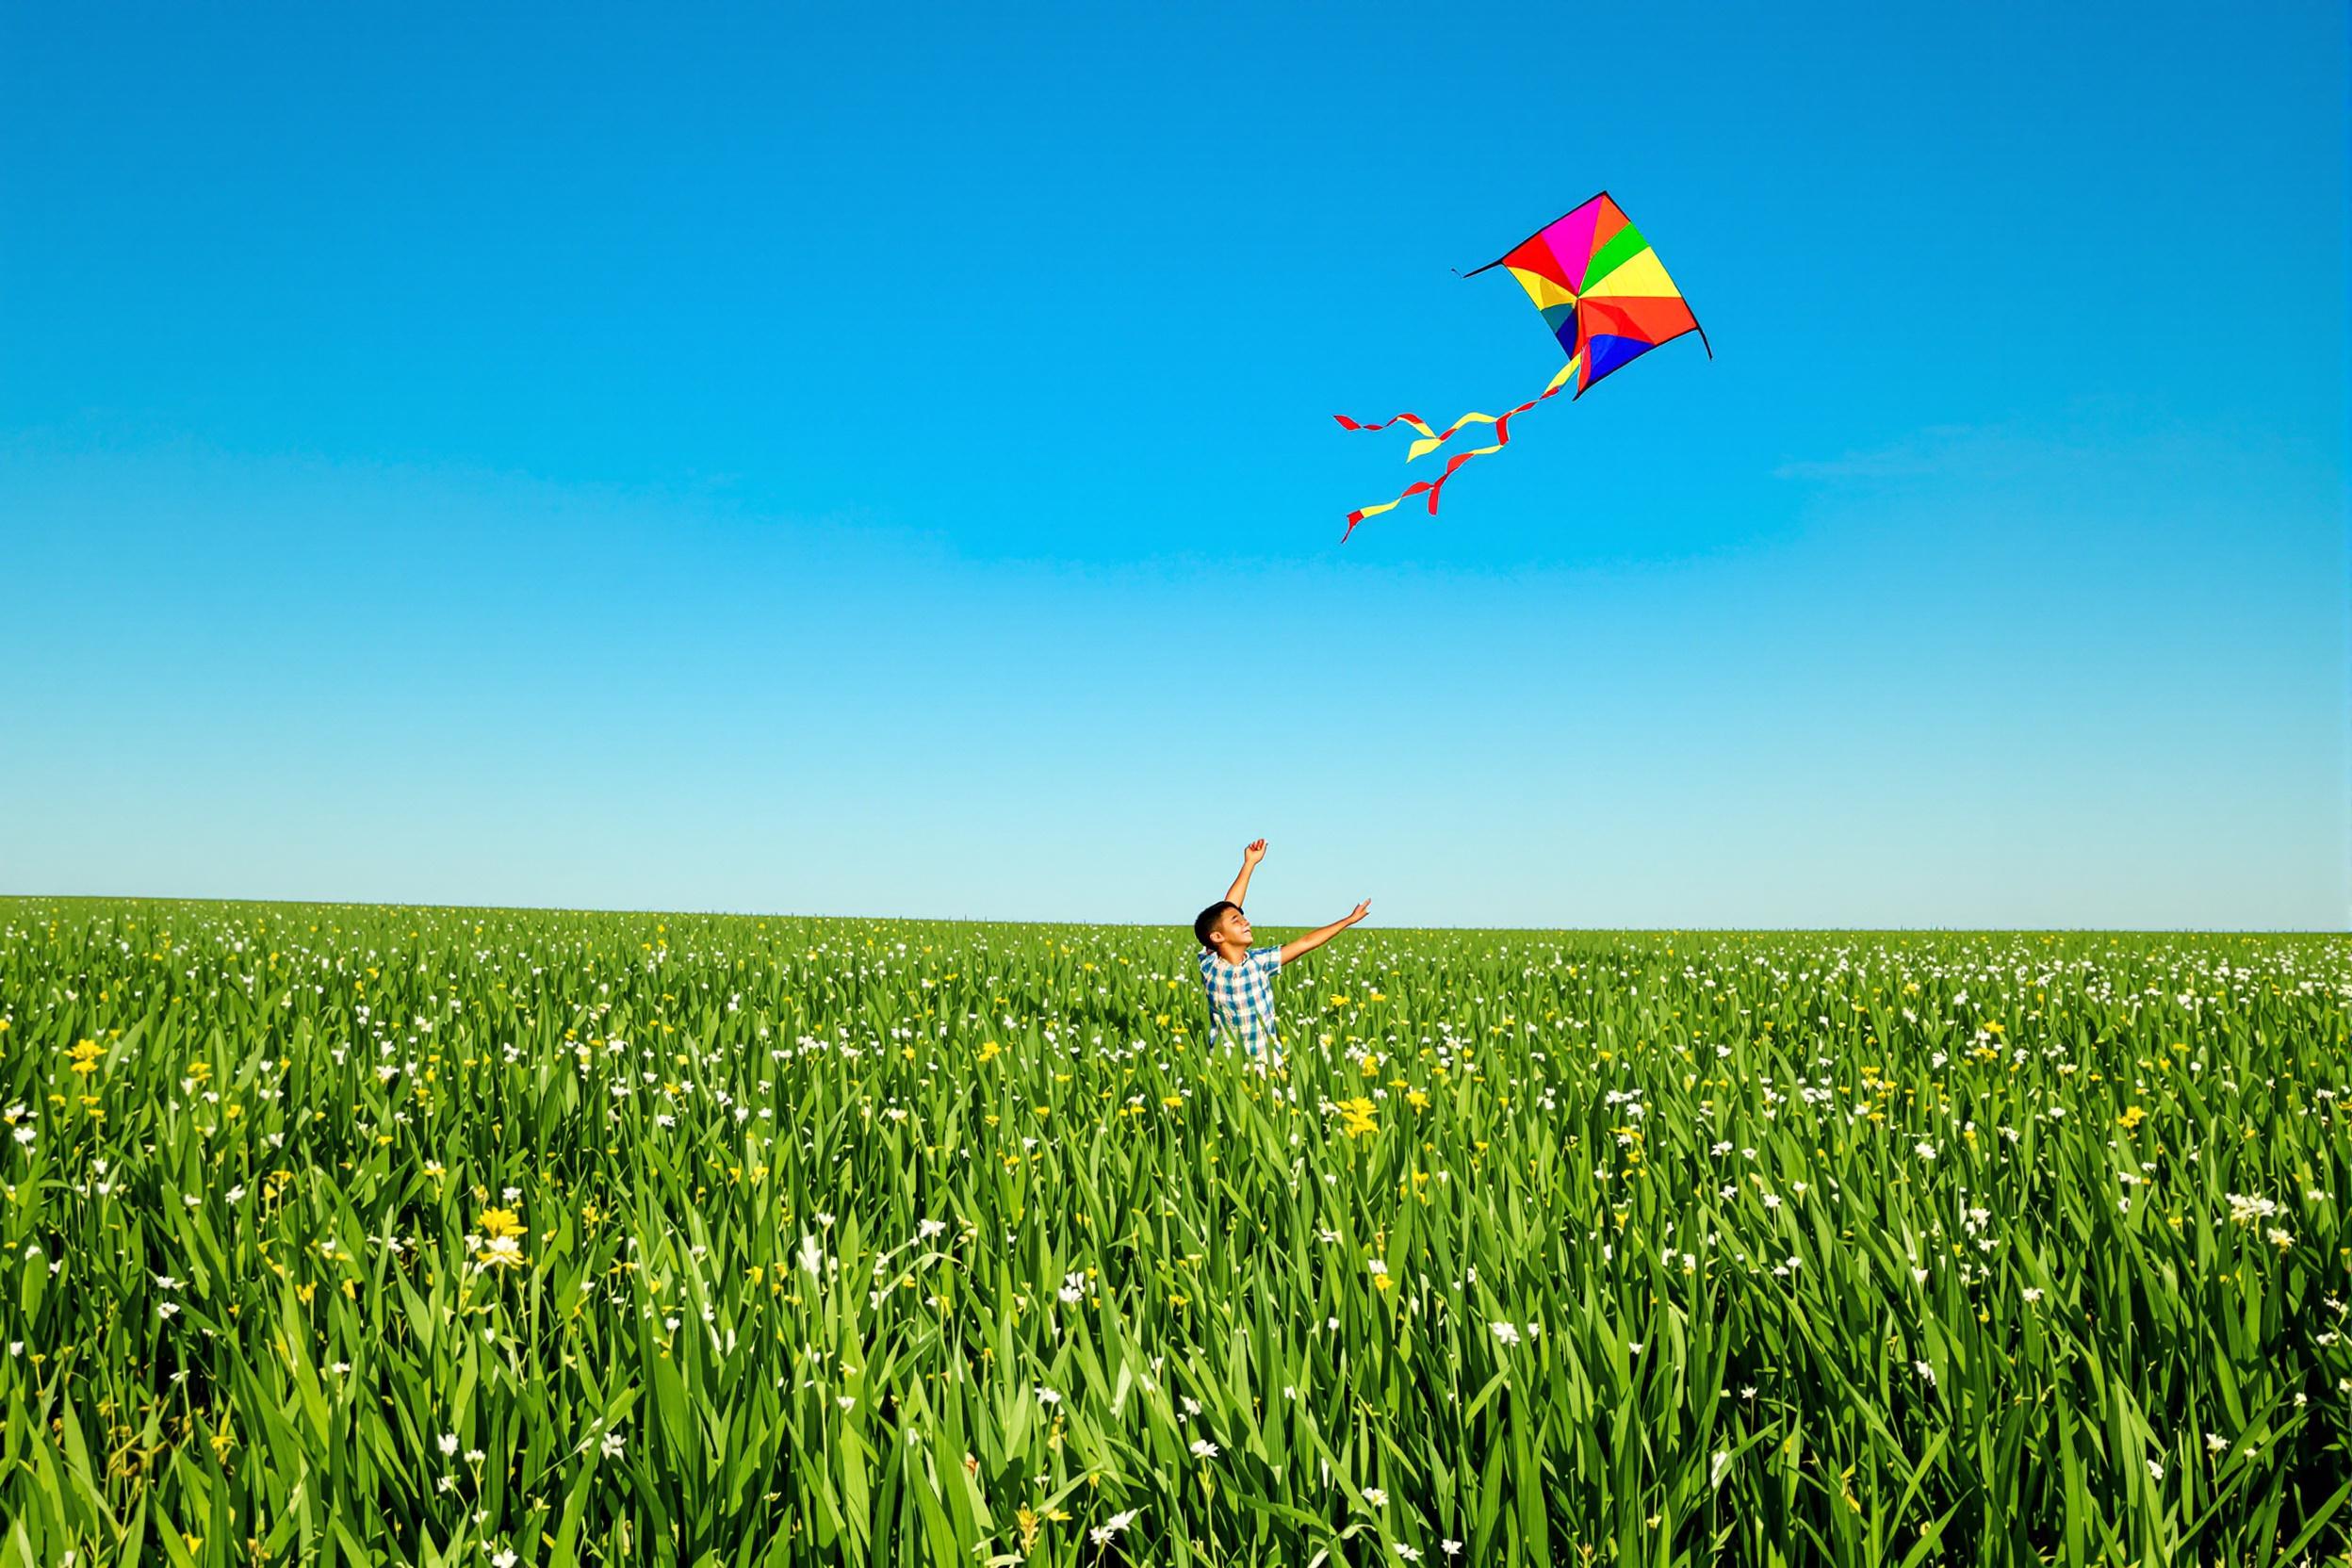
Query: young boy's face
pixel 1231 928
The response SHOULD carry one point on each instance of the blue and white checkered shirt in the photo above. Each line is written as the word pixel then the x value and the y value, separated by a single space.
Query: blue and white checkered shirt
pixel 1241 999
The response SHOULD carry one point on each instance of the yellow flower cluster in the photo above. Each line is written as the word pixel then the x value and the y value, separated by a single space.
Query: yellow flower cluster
pixel 502 1240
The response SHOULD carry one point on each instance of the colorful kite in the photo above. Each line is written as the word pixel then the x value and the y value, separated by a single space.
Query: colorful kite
pixel 1606 297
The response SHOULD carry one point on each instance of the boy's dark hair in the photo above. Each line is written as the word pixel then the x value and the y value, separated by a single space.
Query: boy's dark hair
pixel 1206 920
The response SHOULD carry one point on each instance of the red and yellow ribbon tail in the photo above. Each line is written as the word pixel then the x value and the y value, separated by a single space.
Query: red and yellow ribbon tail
pixel 1431 440
pixel 1430 487
pixel 1433 488
pixel 1414 419
pixel 1363 512
pixel 1453 463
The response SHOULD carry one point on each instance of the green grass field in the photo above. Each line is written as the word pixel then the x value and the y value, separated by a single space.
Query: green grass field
pixel 455 1236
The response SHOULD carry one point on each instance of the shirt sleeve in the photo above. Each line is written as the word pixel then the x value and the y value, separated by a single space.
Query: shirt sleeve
pixel 1271 959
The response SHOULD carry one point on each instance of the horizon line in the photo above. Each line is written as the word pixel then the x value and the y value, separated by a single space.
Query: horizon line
pixel 1179 926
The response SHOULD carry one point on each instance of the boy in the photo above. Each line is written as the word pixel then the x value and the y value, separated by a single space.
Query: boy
pixel 1241 978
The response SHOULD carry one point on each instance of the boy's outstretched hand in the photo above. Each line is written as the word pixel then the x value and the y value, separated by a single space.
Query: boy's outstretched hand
pixel 1313 940
pixel 1252 853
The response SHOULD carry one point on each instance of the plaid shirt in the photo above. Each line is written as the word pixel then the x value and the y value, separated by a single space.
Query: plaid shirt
pixel 1241 999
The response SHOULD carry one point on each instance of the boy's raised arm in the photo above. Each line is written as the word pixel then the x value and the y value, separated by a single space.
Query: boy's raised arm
pixel 1252 854
pixel 1316 939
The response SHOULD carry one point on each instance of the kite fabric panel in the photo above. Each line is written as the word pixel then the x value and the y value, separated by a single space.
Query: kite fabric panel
pixel 1605 296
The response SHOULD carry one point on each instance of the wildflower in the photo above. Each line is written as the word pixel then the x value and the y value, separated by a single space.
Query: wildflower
pixel 1105 1533
pixel 2217 1444
pixel 811 1255
pixel 1377 1498
pixel 1926 1151
pixel 500 1252
pixel 448 1444
pixel 2244 1210
pixel 611 1447
pixel 1925 1371
pixel 1505 1332
pixel 1203 1449
pixel 1450 1546
pixel 1047 1395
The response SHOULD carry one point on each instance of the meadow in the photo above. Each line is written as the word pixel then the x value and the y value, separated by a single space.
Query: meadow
pixel 346 1234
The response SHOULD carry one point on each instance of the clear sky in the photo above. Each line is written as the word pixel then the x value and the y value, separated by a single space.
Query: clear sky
pixel 878 460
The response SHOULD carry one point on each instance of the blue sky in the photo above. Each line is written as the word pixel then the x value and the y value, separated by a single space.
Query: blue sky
pixel 882 464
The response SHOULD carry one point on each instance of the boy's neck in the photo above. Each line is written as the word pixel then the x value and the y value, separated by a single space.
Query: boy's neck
pixel 1231 953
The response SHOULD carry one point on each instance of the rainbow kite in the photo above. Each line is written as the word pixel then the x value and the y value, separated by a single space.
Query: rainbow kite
pixel 1606 297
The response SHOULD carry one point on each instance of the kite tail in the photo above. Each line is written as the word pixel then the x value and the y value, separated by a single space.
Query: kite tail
pixel 1433 440
pixel 1414 419
pixel 1433 488
pixel 1362 512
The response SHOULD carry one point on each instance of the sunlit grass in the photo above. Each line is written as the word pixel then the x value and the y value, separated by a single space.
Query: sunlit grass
pixel 425 1236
